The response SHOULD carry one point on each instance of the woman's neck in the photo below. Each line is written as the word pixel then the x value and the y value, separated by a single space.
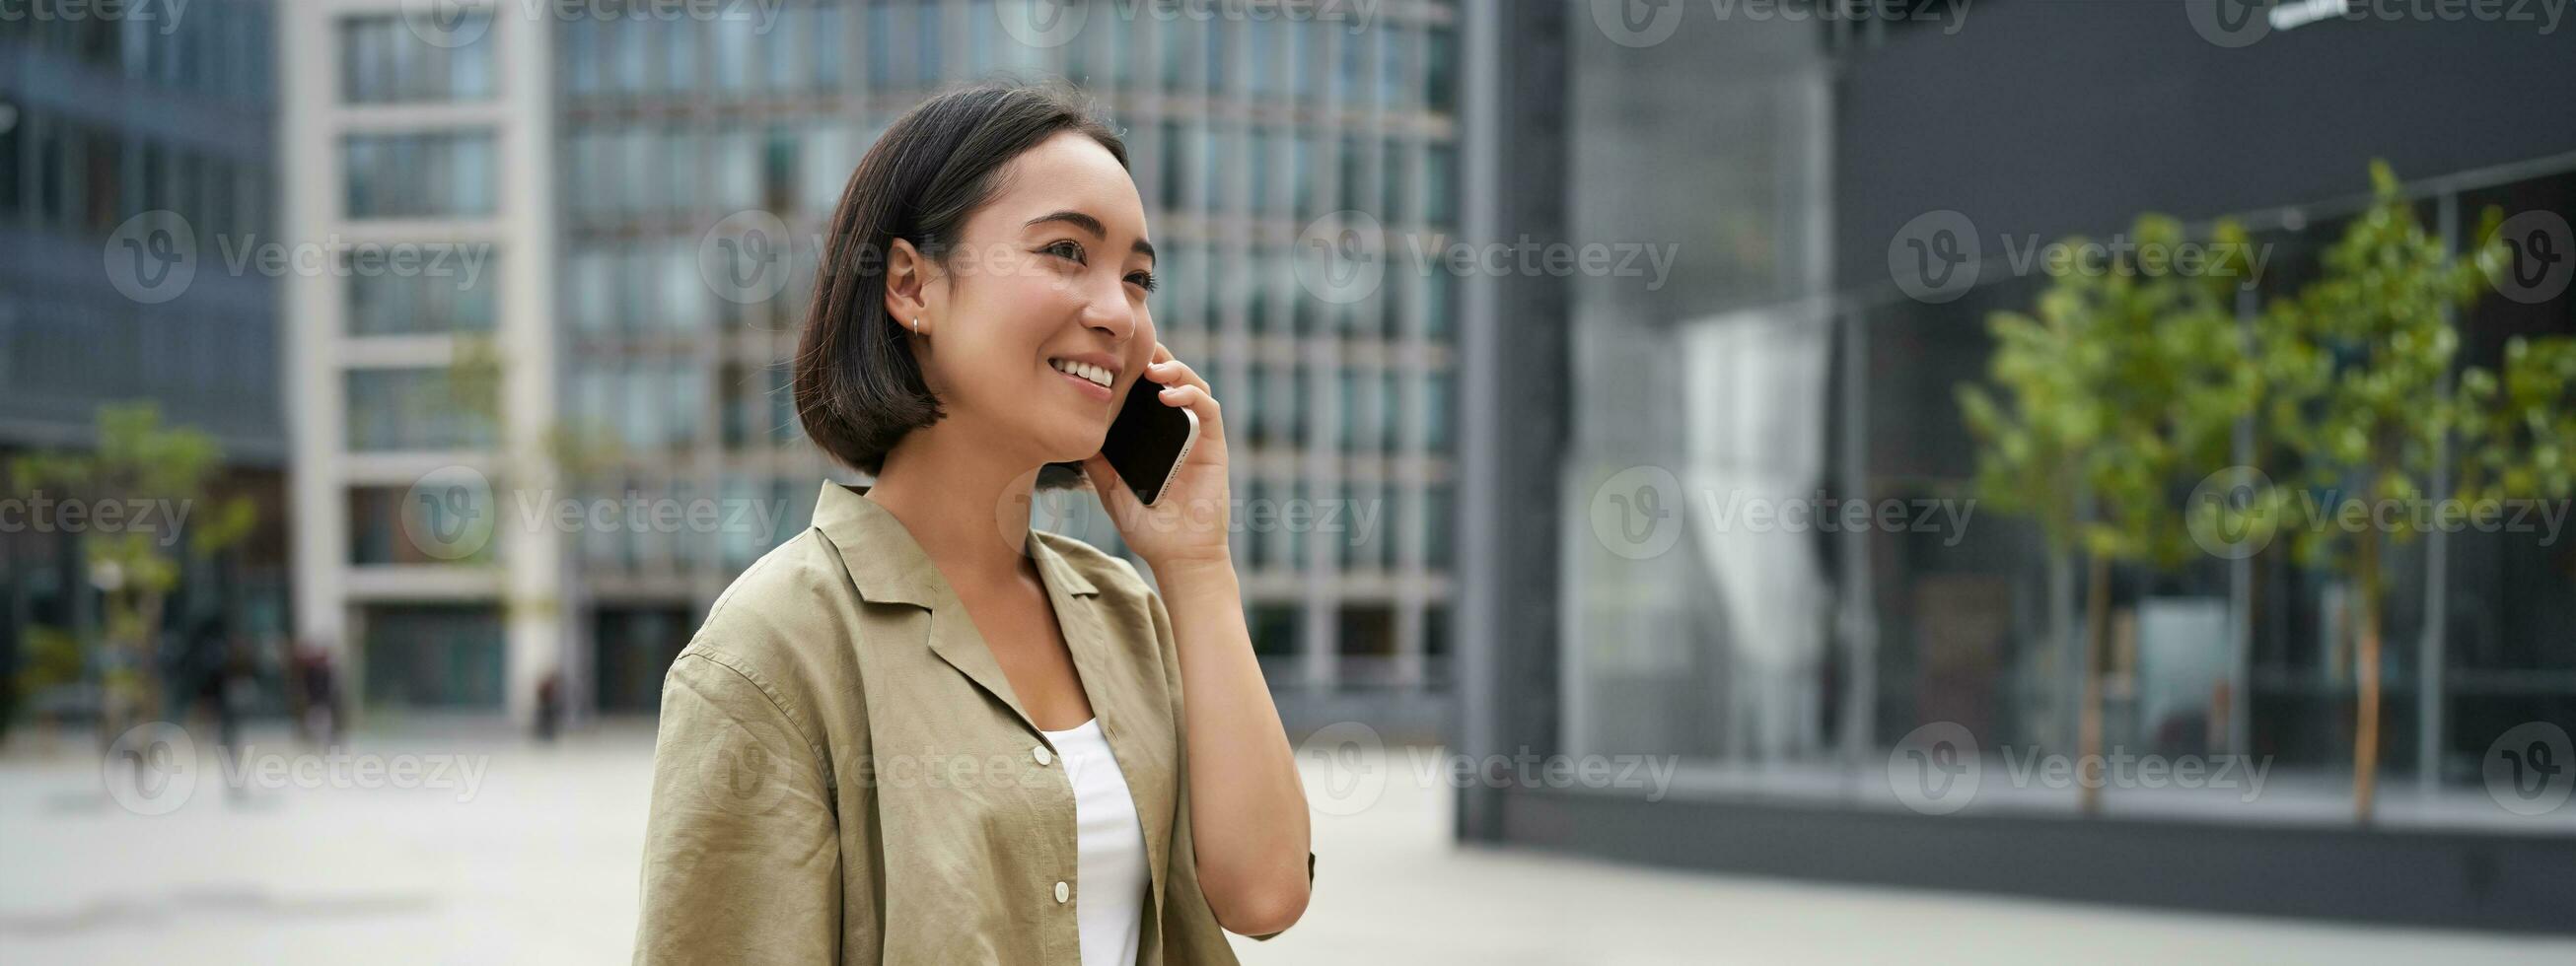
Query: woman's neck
pixel 966 505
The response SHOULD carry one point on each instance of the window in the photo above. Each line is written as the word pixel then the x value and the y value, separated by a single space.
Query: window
pixel 880 24
pixel 679 46
pixel 382 61
pixel 735 40
pixel 423 655
pixel 1439 184
pixel 629 55
pixel 1352 167
pixel 440 174
pixel 451 291
pixel 383 519
pixel 1173 161
pixel 1436 409
pixel 1438 527
pixel 1439 70
pixel 826 75
pixel 414 409
pixel 1393 205
pixel 12 197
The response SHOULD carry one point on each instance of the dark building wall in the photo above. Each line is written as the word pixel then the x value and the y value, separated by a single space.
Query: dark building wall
pixel 2051 117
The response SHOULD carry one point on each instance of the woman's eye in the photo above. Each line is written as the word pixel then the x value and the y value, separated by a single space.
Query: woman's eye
pixel 1145 279
pixel 1065 249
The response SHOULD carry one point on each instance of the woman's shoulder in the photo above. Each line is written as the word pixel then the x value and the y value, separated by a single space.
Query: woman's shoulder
pixel 779 620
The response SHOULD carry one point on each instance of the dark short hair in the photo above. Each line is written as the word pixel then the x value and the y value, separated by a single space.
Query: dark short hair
pixel 858 387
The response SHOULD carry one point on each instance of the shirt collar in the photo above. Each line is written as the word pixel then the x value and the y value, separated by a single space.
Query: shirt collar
pixel 888 565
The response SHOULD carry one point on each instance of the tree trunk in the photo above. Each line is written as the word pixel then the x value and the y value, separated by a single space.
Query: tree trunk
pixel 2365 732
pixel 2097 614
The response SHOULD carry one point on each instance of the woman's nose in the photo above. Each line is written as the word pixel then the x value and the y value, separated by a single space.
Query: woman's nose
pixel 1112 313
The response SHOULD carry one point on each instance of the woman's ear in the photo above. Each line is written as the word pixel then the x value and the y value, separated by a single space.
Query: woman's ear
pixel 907 283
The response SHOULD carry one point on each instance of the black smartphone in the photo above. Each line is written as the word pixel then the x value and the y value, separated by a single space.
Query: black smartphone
pixel 1148 441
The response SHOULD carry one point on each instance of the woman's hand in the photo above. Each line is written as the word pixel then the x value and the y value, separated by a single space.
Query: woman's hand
pixel 1189 524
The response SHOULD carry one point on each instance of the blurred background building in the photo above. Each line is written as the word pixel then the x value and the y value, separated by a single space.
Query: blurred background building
pixel 102 119
pixel 605 160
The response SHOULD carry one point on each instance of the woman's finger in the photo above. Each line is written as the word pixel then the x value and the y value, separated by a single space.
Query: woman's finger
pixel 1194 398
pixel 1174 372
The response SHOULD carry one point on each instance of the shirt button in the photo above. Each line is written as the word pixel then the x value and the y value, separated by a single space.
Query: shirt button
pixel 1042 754
pixel 1063 892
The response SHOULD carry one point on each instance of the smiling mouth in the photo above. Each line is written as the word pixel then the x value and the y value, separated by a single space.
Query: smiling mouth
pixel 1082 370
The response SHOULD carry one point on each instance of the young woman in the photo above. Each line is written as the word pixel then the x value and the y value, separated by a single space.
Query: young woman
pixel 920 732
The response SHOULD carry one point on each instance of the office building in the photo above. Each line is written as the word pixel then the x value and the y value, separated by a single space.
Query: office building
pixel 611 160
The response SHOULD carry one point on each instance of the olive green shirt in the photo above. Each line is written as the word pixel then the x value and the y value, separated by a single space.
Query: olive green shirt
pixel 843 774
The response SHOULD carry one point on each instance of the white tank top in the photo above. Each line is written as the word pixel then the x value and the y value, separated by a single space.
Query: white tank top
pixel 1110 895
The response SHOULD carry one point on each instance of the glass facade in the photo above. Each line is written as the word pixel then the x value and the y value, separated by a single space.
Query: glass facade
pixel 1776 657
pixel 686 371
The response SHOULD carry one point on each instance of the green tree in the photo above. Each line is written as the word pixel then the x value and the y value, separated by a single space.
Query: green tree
pixel 2127 382
pixel 2356 363
pixel 138 461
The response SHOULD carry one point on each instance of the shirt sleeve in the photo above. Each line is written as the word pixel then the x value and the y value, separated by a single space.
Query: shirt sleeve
pixel 741 860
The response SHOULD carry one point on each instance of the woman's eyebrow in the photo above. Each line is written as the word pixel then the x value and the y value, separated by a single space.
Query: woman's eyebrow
pixel 1092 225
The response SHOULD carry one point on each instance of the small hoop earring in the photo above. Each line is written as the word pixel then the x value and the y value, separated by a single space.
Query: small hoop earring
pixel 916 325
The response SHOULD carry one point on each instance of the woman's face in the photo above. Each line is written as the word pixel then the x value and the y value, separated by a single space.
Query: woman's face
pixel 1043 295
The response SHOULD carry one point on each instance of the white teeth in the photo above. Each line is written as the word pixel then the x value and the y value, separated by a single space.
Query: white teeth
pixel 1096 374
